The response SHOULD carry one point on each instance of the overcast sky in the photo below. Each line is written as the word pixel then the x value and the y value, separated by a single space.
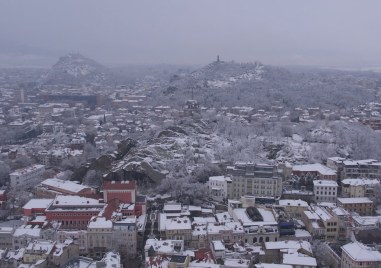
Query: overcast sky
pixel 342 33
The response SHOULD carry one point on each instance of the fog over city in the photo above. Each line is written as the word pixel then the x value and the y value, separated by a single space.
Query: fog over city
pixel 342 33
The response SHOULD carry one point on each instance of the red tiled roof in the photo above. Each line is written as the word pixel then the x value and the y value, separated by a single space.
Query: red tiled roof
pixel 119 185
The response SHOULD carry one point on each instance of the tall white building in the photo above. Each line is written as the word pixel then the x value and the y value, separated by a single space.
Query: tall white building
pixel 218 187
pixel 325 191
pixel 125 237
pixel 27 177
pixel 99 237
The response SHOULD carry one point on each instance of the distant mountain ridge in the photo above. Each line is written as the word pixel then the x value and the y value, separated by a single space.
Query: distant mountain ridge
pixel 75 69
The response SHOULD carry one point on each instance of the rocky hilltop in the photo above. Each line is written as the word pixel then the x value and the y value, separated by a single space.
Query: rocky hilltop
pixel 261 86
pixel 75 69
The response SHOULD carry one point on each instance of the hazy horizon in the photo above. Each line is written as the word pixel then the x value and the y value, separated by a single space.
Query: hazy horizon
pixel 340 34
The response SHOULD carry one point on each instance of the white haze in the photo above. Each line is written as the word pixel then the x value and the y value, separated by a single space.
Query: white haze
pixel 342 33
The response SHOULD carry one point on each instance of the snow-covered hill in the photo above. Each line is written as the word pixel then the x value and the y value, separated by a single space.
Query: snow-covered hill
pixel 261 86
pixel 75 69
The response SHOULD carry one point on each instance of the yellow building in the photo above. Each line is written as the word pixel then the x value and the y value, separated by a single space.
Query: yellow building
pixel 360 205
pixel 358 187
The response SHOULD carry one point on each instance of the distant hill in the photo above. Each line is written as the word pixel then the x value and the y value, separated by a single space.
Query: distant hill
pixel 254 84
pixel 75 69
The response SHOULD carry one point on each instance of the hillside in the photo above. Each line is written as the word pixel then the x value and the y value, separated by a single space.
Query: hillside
pixel 260 86
pixel 75 69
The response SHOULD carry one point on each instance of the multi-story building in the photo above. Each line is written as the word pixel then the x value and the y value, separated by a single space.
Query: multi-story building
pixel 259 223
pixel 294 208
pixel 357 255
pixel 325 190
pixel 64 253
pixel 360 205
pixel 6 234
pixel 79 238
pixel 346 169
pixel 316 171
pixel 125 237
pixel 26 177
pixel 358 187
pixel 218 187
pixel 274 251
pixel 125 192
pixel 39 251
pixel 36 207
pixel 25 234
pixel 73 212
pixel 178 228
pixel 321 222
pixel 99 237
pixel 254 179
pixel 164 246
pixel 229 232
pixel 11 258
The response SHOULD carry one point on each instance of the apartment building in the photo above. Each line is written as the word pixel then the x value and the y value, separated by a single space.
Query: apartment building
pixel 79 238
pixel 322 222
pixel 125 236
pixel 346 169
pixel 325 190
pixel 294 208
pixel 260 180
pixel 316 171
pixel 177 228
pixel 218 187
pixel 360 205
pixel 358 255
pixel 358 187
pixel 6 234
pixel 99 237
pixel 26 177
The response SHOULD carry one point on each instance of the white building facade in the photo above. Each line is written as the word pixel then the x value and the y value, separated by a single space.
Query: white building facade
pixel 27 177
pixel 325 191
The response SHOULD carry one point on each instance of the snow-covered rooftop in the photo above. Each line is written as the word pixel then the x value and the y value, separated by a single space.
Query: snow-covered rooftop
pixel 323 170
pixel 218 245
pixel 267 215
pixel 294 203
pixel 165 246
pixel 325 183
pixel 299 260
pixel 72 201
pixel 68 186
pixel 360 182
pixel 359 252
pixel 290 245
pixel 38 203
pixel 27 170
pixel 100 223
pixel 219 178
pixel 354 200
pixel 272 265
pixel 27 230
